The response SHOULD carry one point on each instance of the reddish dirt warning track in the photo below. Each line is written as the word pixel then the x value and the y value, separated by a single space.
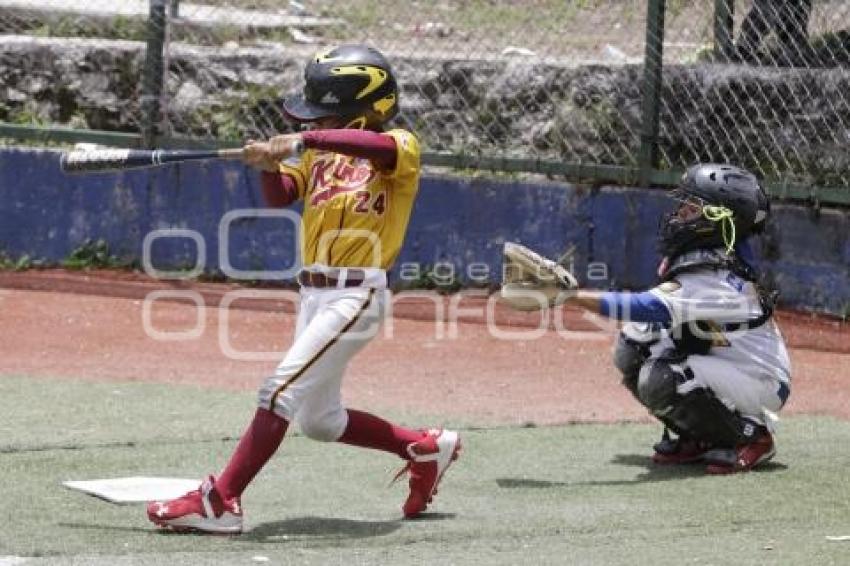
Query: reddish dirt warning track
pixel 68 328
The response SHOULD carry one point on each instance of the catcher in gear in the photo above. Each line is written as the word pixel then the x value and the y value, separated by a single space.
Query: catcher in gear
pixel 358 180
pixel 700 350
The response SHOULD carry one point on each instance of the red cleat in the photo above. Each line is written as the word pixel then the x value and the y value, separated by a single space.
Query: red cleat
pixel 679 451
pixel 743 458
pixel 202 510
pixel 430 458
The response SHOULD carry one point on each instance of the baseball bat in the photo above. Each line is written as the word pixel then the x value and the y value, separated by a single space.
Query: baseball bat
pixel 107 160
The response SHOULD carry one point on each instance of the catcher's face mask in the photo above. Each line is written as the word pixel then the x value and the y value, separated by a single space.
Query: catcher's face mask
pixel 688 210
pixel 695 223
pixel 688 207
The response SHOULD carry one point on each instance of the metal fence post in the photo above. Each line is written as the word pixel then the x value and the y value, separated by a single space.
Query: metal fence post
pixel 651 95
pixel 154 72
pixel 724 29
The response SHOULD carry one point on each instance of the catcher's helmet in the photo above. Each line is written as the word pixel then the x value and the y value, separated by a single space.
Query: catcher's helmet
pixel 352 82
pixel 723 194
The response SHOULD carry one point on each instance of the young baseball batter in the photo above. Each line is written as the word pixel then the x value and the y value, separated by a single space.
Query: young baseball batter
pixel 358 184
pixel 700 350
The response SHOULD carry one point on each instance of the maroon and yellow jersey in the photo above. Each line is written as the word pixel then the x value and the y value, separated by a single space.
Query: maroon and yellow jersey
pixel 355 215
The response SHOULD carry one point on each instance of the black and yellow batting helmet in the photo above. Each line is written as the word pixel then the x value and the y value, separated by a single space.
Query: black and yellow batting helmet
pixel 351 82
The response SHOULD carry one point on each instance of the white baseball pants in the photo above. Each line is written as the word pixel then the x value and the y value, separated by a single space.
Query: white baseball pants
pixel 333 325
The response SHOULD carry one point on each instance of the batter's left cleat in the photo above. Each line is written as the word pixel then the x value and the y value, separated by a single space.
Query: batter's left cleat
pixel 201 511
pixel 430 458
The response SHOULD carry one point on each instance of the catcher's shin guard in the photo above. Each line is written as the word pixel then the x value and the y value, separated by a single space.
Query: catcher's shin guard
pixel 697 413
pixel 705 417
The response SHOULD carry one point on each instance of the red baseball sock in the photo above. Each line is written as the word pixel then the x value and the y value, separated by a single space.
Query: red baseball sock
pixel 257 445
pixel 369 431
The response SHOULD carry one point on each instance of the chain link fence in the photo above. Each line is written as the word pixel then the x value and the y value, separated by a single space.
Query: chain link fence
pixel 483 78
pixel 532 85
pixel 777 98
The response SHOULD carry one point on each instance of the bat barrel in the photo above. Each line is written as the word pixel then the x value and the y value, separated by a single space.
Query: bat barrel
pixel 120 159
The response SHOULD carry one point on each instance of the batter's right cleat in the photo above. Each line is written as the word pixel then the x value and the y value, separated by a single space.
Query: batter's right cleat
pixel 680 450
pixel 430 458
pixel 201 511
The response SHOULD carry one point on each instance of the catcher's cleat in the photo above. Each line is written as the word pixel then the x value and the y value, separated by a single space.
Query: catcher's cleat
pixel 430 458
pixel 743 458
pixel 202 510
pixel 681 450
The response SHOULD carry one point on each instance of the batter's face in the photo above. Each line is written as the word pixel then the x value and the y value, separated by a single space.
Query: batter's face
pixel 329 123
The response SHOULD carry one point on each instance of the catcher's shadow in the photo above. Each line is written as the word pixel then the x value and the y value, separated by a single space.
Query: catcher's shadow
pixel 653 473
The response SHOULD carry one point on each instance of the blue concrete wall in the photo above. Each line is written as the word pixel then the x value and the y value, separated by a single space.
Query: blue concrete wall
pixel 457 222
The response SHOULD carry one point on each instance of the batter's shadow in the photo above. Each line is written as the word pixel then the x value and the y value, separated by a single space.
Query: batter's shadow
pixel 288 530
pixel 329 528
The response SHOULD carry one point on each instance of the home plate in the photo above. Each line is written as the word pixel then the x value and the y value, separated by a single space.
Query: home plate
pixel 134 489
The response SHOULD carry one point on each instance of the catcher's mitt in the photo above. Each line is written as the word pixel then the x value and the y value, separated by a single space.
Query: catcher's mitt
pixel 533 282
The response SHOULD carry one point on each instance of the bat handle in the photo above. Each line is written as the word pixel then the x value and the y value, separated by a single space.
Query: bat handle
pixel 230 153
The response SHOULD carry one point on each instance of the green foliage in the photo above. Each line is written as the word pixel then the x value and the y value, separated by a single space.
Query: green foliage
pixel 34 143
pixel 135 29
pixel 119 27
pixel 20 263
pixel 831 48
pixel 237 117
pixel 432 278
pixel 93 254
pixel 704 54
pixel 676 7
pixel 6 262
pixel 24 262
pixel 27 115
pixel 128 28
pixel 460 15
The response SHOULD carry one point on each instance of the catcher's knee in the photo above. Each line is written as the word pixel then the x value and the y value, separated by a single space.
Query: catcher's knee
pixel 327 427
pixel 629 357
pixel 657 385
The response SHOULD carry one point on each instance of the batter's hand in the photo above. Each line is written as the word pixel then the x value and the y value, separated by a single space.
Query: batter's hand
pixel 268 155
pixel 285 146
pixel 259 155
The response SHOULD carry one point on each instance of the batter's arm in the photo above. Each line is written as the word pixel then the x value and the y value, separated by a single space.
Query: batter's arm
pixel 378 148
pixel 374 146
pixel 279 189
pixel 278 186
